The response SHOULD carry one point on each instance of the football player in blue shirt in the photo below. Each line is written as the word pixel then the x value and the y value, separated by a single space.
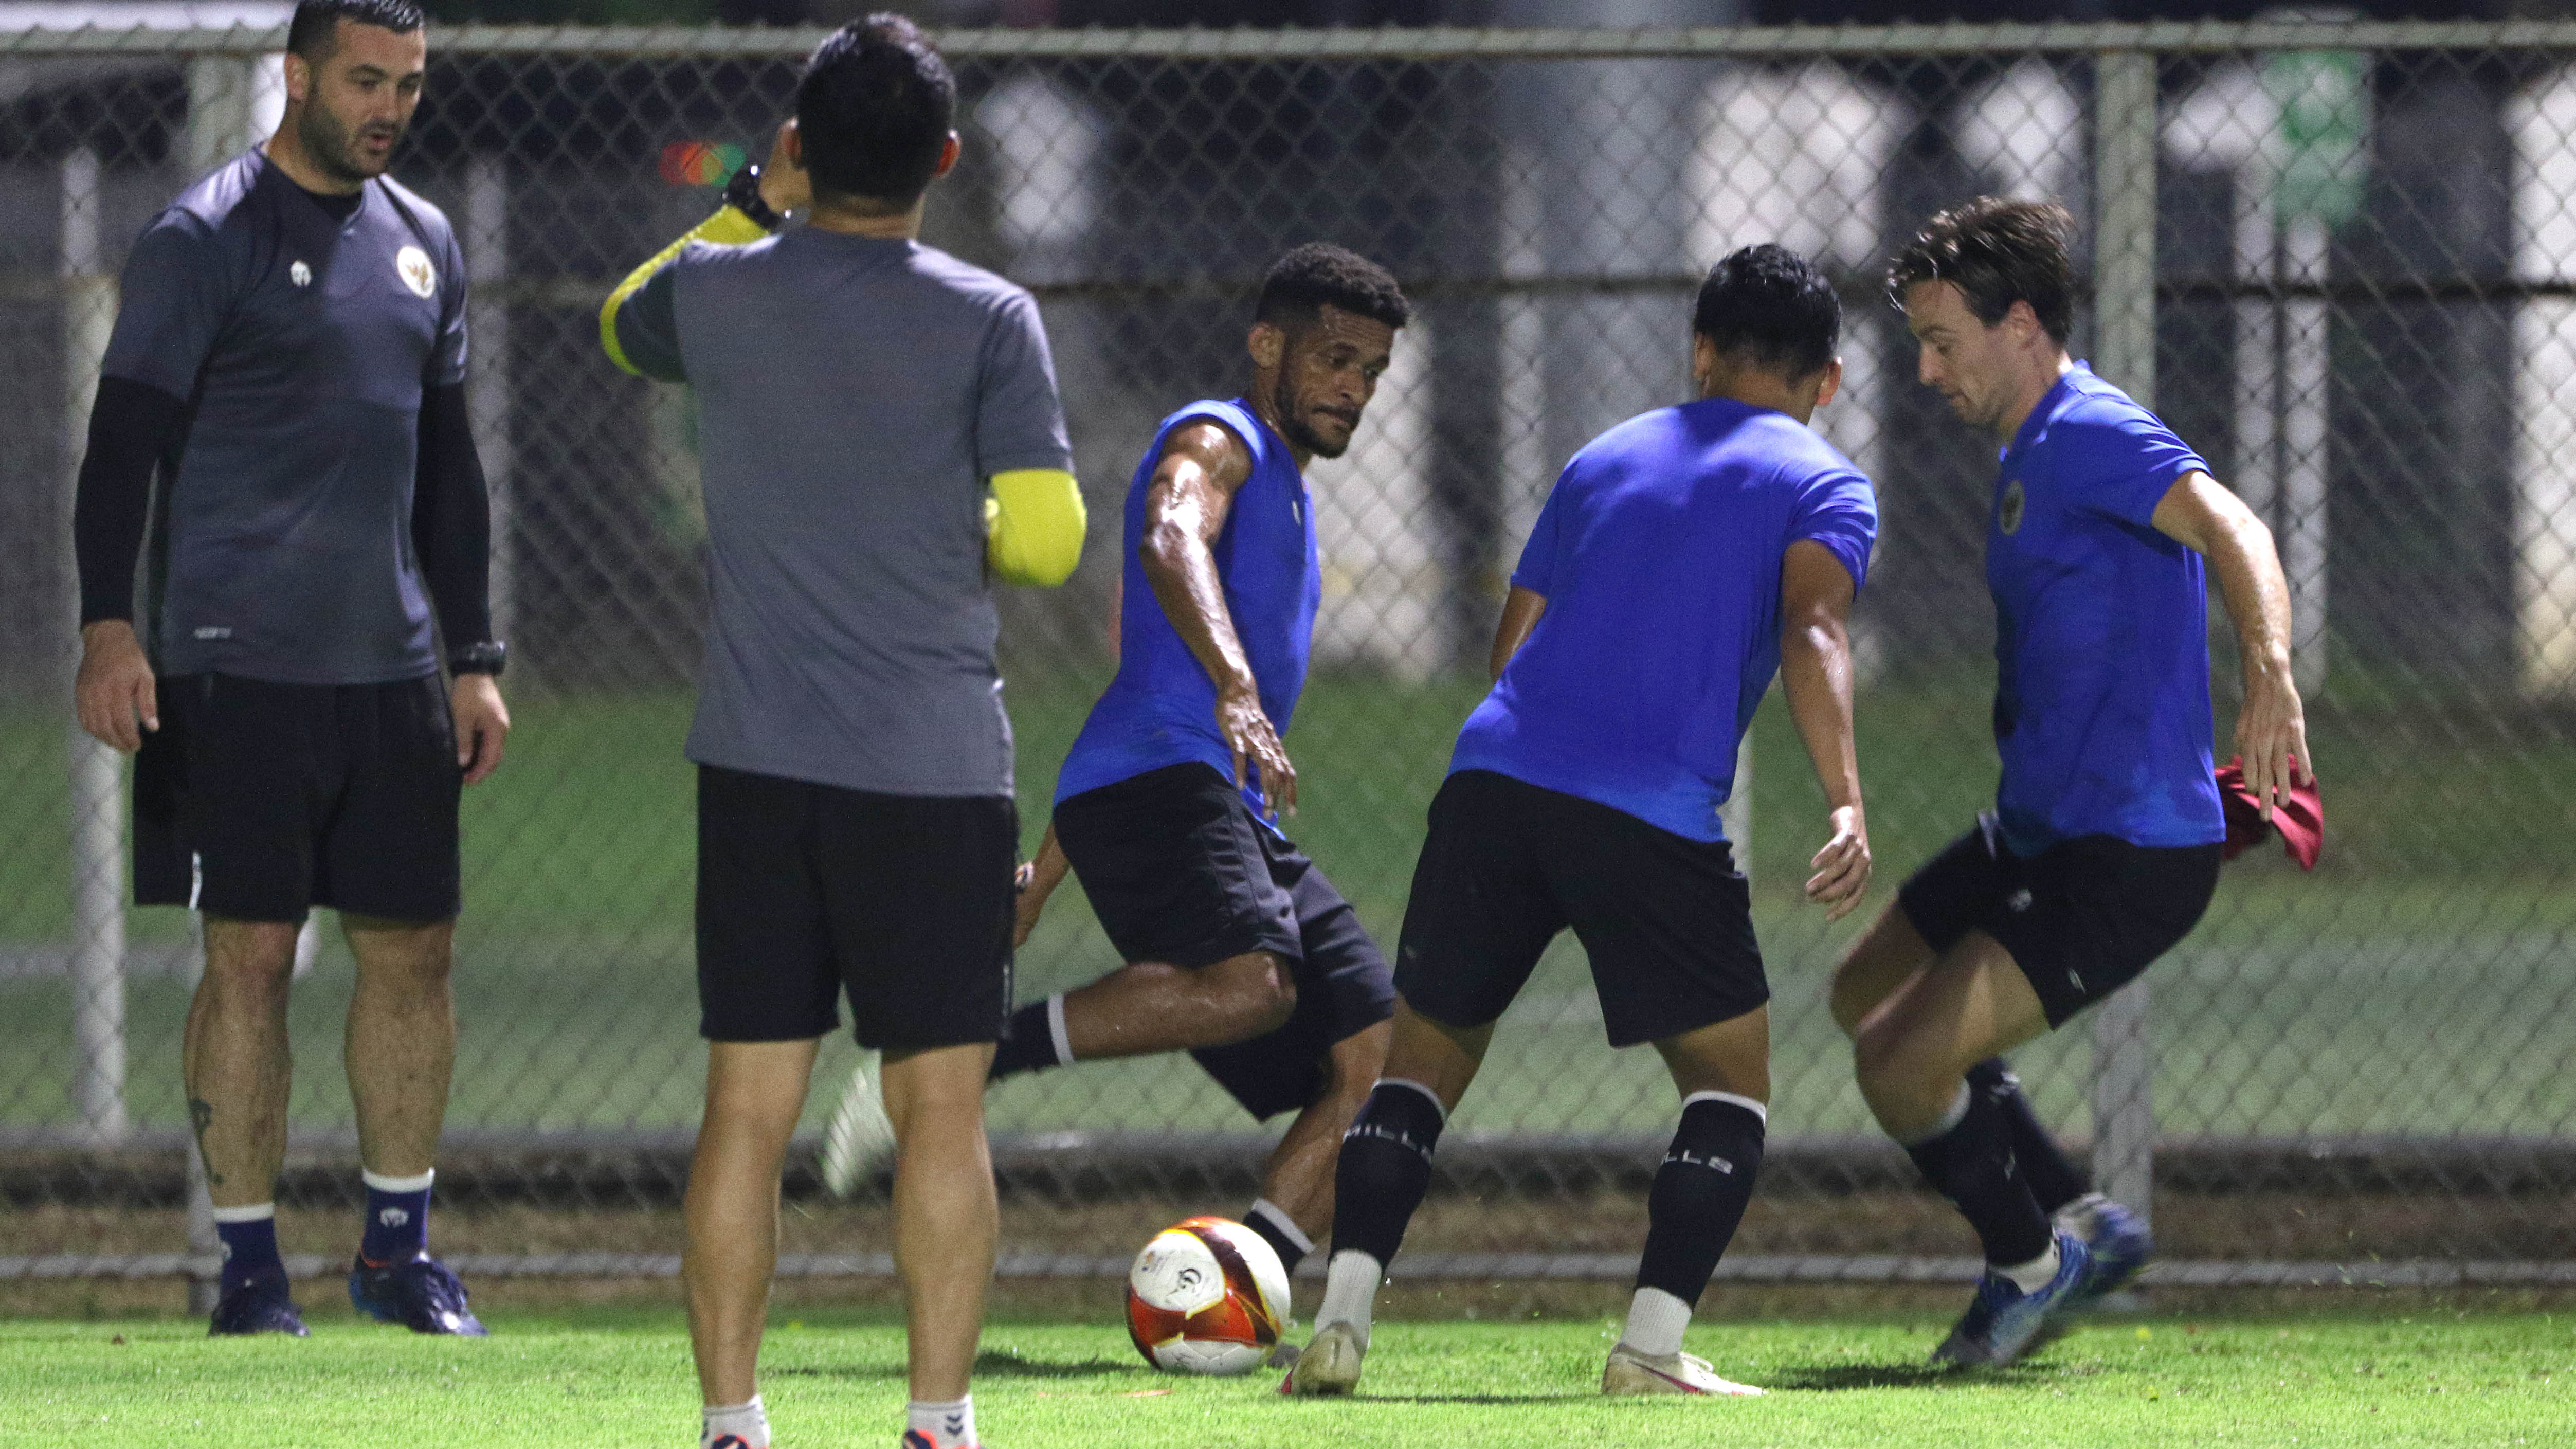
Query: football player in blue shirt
pixel 2103 846
pixel 1239 951
pixel 1684 557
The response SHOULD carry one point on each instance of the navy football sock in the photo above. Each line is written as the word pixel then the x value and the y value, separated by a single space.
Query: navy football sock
pixel 249 1237
pixel 1280 1231
pixel 1028 1041
pixel 1700 1192
pixel 397 1218
pixel 1385 1168
pixel 2054 1178
pixel 1970 1162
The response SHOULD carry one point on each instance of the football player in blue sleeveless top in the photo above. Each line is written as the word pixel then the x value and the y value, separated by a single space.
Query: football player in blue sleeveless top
pixel 1169 806
pixel 2103 847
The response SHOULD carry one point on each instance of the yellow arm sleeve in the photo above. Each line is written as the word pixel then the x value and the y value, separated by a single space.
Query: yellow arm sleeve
pixel 1033 525
pixel 727 226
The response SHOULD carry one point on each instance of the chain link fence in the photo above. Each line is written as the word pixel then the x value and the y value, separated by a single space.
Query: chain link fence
pixel 2341 261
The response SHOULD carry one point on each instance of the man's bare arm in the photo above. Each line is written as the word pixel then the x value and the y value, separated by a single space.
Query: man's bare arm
pixel 1816 673
pixel 1186 504
pixel 1522 609
pixel 2271 725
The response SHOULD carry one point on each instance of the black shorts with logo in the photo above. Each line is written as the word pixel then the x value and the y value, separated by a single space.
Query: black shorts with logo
pixel 1179 871
pixel 1666 920
pixel 808 891
pixel 2082 918
pixel 256 801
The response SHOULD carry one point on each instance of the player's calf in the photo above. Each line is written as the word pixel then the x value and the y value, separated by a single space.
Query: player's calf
pixel 1692 1211
pixel 1385 1169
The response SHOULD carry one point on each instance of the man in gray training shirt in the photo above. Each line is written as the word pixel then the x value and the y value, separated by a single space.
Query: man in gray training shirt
pixel 290 359
pixel 880 429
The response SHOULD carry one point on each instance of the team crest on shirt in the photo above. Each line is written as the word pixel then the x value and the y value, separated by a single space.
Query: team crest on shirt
pixel 300 274
pixel 2007 512
pixel 412 265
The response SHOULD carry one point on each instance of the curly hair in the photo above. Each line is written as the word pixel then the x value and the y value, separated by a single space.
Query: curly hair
pixel 1319 274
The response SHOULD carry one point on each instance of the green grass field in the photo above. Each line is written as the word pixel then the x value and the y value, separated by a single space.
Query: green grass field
pixel 2432 942
pixel 623 1379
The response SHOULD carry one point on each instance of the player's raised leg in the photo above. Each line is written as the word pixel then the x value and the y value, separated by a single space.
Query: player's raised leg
pixel 400 1054
pixel 1149 1007
pixel 1881 961
pixel 755 1089
pixel 1723 1072
pixel 1912 1055
pixel 237 1067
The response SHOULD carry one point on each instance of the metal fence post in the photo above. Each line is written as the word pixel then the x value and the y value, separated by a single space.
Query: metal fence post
pixel 97 774
pixel 2124 352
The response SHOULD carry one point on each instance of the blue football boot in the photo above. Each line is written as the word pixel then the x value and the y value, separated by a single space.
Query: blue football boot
pixel 420 1294
pixel 2002 1320
pixel 2117 1239
pixel 260 1305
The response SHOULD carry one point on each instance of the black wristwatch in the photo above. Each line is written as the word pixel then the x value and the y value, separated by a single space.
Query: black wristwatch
pixel 742 193
pixel 489 657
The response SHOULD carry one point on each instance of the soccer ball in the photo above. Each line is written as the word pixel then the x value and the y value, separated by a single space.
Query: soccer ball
pixel 1207 1296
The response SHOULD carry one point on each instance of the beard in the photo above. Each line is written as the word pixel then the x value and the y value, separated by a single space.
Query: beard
pixel 1292 425
pixel 332 147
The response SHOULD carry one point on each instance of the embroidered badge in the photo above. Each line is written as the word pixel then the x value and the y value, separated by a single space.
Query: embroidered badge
pixel 412 265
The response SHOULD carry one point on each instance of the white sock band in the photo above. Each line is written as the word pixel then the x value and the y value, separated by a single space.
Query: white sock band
pixel 1956 1114
pixel 749 1422
pixel 254 1213
pixel 1419 1087
pixel 1350 1290
pixel 2032 1276
pixel 947 1424
pixel 1263 1207
pixel 397 1184
pixel 1056 1032
pixel 1758 1109
pixel 1655 1323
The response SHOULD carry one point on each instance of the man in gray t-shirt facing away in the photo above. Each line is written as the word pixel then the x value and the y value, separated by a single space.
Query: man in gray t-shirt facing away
pixel 881 436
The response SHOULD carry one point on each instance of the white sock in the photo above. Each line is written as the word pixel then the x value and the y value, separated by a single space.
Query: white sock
pixel 1055 1031
pixel 1655 1323
pixel 2032 1276
pixel 747 1422
pixel 947 1426
pixel 1350 1290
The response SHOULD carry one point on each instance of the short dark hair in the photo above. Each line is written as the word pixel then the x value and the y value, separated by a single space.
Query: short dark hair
pixel 1317 275
pixel 874 107
pixel 1996 252
pixel 1770 306
pixel 314 32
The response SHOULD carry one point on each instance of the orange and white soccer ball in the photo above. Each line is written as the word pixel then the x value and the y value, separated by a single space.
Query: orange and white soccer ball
pixel 1207 1296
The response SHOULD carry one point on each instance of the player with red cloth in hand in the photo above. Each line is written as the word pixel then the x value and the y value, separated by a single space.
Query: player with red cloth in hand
pixel 2103 848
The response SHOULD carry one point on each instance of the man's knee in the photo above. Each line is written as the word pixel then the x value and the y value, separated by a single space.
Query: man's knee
pixel 255 957
pixel 1256 993
pixel 401 955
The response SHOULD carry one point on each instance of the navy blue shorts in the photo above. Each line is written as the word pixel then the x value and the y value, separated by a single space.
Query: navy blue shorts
pixel 1179 871
pixel 1667 921
pixel 2082 918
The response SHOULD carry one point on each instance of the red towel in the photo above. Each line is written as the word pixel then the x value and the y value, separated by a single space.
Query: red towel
pixel 2300 816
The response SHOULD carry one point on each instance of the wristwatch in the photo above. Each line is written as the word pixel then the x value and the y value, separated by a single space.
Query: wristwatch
pixel 489 657
pixel 742 193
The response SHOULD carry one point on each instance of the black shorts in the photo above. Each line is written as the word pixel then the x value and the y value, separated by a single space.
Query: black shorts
pixel 806 891
pixel 1179 871
pixel 1667 921
pixel 256 801
pixel 2081 918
